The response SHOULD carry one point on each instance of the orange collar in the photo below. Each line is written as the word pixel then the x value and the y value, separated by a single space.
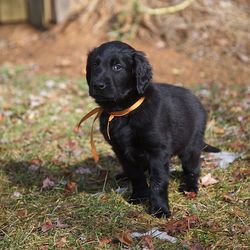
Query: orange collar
pixel 112 115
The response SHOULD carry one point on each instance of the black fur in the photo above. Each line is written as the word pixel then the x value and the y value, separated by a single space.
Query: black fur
pixel 171 121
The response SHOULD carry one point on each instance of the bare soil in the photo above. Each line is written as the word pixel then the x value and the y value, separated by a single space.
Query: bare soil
pixel 64 54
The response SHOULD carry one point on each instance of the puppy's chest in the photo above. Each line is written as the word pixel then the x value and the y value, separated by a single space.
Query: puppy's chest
pixel 119 129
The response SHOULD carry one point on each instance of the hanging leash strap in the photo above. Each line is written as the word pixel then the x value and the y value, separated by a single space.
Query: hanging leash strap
pixel 98 111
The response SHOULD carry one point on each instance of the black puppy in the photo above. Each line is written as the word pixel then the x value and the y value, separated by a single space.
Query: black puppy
pixel 169 121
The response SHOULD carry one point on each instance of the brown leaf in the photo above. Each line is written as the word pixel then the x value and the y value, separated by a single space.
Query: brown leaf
pixel 21 213
pixel 61 243
pixel 190 195
pixel 147 243
pixel 134 214
pixel 196 246
pixel 71 187
pixel 47 226
pixel 60 224
pixel 36 161
pixel 207 180
pixel 245 172
pixel 240 174
pixel 237 174
pixel 228 198
pixel 35 164
pixel 46 247
pixel 125 238
pixel 238 146
pixel 181 225
pixel 104 241
pixel 47 183
pixel 70 145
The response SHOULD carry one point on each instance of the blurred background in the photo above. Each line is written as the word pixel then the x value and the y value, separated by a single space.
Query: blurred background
pixel 187 41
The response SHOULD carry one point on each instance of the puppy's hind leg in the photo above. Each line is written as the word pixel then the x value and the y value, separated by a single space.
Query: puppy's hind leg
pixel 191 170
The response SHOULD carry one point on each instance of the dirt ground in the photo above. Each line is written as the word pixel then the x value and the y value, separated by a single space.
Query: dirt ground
pixel 64 54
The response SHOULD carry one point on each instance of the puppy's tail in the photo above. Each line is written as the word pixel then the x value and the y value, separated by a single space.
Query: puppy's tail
pixel 210 149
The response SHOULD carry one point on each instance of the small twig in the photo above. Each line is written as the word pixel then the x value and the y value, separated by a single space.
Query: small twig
pixel 164 10
pixel 105 181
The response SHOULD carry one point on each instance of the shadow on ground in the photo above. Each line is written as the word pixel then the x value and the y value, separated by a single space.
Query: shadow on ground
pixel 88 176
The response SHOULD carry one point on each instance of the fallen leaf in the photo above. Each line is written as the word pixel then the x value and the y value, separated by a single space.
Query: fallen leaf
pixel 36 161
pixel 21 213
pixel 240 174
pixel 125 238
pixel 70 187
pixel 104 242
pixel 61 243
pixel 228 198
pixel 190 195
pixel 16 195
pixel 44 247
pixel 147 243
pixel 47 226
pixel 47 183
pixel 33 168
pixel 196 246
pixel 82 170
pixel 36 101
pixel 156 234
pixel 35 164
pixel 82 237
pixel 245 172
pixel 182 225
pixel 60 224
pixel 222 159
pixel 134 214
pixel 72 147
pixel 207 180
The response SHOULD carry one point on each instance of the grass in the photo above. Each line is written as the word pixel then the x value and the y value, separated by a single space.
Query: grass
pixel 37 140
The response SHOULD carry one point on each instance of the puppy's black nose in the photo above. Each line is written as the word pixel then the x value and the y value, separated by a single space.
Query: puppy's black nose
pixel 99 85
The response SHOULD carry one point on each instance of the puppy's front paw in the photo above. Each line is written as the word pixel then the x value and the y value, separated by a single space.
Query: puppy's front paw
pixel 188 188
pixel 160 212
pixel 140 196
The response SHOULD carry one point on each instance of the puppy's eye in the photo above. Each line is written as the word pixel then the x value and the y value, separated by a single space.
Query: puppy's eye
pixel 117 67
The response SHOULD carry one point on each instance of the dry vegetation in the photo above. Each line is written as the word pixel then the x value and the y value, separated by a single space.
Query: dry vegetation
pixel 202 26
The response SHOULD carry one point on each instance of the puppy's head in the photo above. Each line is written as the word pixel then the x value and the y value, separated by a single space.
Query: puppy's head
pixel 116 71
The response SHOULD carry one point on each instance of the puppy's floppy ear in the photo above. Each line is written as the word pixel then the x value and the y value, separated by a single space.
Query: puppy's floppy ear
pixel 142 70
pixel 88 66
